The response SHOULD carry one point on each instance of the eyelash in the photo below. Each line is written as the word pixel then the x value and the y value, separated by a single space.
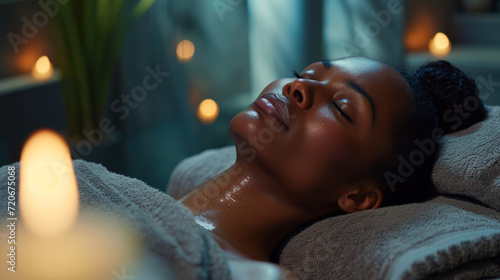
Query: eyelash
pixel 297 75
pixel 342 112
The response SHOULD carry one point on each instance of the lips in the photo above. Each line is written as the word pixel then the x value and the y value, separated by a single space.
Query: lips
pixel 274 106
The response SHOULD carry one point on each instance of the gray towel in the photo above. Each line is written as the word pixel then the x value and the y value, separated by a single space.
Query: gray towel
pixel 469 163
pixel 197 169
pixel 443 238
pixel 175 246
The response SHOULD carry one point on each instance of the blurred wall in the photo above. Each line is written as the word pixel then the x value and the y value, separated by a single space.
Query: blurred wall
pixel 373 29
pixel 240 46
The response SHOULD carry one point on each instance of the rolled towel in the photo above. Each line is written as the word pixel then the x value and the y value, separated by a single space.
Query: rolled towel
pixel 469 161
pixel 443 238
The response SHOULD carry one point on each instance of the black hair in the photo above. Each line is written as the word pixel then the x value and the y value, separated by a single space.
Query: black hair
pixel 454 94
pixel 445 100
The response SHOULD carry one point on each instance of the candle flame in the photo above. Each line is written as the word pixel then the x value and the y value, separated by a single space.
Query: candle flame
pixel 48 192
pixel 185 50
pixel 439 45
pixel 43 69
pixel 441 40
pixel 208 111
pixel 42 65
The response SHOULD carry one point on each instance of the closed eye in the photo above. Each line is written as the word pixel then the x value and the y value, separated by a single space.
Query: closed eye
pixel 342 112
pixel 297 75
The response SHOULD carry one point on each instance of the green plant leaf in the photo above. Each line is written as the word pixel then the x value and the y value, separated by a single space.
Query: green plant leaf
pixel 88 37
pixel 138 11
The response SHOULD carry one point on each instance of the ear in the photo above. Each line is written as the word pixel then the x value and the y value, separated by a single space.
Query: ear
pixel 361 198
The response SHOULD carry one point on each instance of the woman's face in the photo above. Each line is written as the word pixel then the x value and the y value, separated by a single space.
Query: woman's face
pixel 323 131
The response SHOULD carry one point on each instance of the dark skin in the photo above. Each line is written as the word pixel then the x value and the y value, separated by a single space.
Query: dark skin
pixel 319 160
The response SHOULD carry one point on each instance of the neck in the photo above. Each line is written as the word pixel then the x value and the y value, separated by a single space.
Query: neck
pixel 244 212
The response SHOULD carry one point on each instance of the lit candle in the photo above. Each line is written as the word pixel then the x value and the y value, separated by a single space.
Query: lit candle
pixel 47 185
pixel 52 240
pixel 43 69
pixel 185 50
pixel 439 45
pixel 208 110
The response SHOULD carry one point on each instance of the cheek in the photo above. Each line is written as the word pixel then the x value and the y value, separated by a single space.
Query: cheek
pixel 329 140
pixel 325 150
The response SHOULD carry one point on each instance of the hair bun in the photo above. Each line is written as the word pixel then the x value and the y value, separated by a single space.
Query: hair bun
pixel 455 95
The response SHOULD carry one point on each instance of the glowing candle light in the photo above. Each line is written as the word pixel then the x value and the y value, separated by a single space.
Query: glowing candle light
pixel 208 110
pixel 43 69
pixel 185 50
pixel 53 241
pixel 439 45
pixel 48 185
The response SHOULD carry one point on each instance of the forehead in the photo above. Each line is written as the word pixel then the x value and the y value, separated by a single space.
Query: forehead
pixel 379 79
pixel 358 67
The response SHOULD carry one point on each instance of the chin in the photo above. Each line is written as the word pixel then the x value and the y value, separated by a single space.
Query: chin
pixel 244 126
pixel 252 135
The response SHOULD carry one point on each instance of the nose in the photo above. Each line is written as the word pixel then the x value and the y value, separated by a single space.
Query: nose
pixel 299 92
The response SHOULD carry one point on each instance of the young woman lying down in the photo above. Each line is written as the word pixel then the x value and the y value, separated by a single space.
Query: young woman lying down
pixel 330 140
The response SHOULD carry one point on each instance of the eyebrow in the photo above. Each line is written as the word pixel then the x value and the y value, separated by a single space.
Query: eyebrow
pixel 356 87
